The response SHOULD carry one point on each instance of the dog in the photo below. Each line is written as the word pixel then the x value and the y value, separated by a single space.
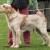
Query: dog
pixel 19 23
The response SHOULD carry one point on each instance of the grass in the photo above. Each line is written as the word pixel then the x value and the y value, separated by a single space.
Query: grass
pixel 36 40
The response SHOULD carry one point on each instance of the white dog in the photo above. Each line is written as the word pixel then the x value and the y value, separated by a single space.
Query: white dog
pixel 19 23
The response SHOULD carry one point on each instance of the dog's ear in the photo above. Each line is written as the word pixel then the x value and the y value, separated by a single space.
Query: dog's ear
pixel 8 10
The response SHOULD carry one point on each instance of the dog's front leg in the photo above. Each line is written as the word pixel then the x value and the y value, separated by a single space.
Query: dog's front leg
pixel 18 42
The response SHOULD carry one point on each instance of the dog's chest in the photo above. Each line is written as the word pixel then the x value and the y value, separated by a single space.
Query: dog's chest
pixel 15 22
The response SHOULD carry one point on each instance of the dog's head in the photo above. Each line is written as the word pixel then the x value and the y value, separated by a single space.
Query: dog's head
pixel 5 8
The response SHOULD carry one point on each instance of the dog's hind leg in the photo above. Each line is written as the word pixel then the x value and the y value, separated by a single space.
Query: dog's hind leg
pixel 44 40
pixel 44 34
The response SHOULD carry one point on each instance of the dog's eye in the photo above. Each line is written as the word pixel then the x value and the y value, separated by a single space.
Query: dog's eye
pixel 3 5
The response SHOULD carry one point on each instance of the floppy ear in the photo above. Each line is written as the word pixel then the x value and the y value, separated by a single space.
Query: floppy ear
pixel 9 10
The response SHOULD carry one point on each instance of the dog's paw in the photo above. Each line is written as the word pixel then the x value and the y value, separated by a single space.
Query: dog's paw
pixel 49 45
pixel 17 46
pixel 44 44
pixel 12 46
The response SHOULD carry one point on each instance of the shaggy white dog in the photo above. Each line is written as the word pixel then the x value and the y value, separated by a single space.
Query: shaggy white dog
pixel 19 23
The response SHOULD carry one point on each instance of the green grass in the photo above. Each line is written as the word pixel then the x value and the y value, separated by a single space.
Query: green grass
pixel 36 40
